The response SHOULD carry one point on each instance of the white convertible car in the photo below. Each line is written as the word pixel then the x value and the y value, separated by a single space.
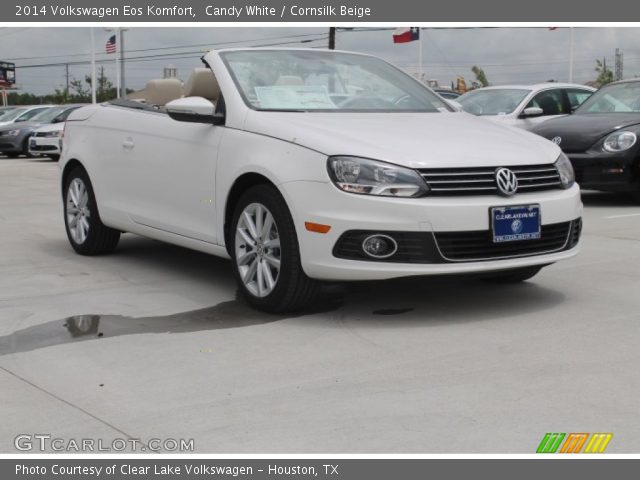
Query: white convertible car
pixel 307 165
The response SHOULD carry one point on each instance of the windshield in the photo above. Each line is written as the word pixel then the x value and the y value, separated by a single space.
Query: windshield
pixel 13 114
pixel 492 102
pixel 619 98
pixel 6 111
pixel 301 80
pixel 48 115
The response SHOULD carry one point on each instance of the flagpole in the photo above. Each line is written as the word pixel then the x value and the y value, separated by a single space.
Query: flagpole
pixel 117 31
pixel 93 68
pixel 571 56
pixel 420 54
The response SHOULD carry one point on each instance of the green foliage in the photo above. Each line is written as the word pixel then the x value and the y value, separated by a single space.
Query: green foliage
pixel 79 92
pixel 605 74
pixel 481 77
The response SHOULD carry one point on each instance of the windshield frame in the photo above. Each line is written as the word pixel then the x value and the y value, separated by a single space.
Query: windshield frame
pixel 224 54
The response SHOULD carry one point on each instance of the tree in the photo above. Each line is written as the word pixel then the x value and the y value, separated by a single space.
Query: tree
pixel 605 74
pixel 481 77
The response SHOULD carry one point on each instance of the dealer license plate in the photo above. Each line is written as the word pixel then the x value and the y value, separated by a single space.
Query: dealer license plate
pixel 510 224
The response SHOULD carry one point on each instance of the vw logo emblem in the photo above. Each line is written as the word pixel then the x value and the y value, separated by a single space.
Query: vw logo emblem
pixel 516 226
pixel 507 181
pixel 556 140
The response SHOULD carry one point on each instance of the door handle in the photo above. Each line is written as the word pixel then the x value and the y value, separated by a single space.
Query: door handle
pixel 128 143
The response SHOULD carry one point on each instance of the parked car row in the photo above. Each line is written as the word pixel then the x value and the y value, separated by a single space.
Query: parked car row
pixel 597 131
pixel 33 130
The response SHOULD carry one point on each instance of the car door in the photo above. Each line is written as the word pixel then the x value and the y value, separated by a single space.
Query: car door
pixel 552 103
pixel 170 172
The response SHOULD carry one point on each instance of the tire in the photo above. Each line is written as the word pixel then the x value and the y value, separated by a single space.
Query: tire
pixel 515 276
pixel 256 257
pixel 87 235
pixel 25 150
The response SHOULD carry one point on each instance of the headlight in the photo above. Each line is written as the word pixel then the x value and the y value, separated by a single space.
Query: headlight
pixel 371 177
pixel 11 133
pixel 54 133
pixel 565 170
pixel 619 141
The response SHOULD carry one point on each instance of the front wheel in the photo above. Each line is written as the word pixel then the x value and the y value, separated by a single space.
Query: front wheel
pixel 86 232
pixel 266 255
pixel 515 276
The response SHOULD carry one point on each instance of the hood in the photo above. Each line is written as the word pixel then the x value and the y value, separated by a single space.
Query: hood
pixel 51 127
pixel 20 126
pixel 416 140
pixel 580 132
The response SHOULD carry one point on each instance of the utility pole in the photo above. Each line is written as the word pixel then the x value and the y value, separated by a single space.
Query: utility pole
pixel 66 74
pixel 332 38
pixel 618 66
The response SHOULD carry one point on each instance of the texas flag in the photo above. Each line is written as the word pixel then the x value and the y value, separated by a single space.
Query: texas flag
pixel 404 35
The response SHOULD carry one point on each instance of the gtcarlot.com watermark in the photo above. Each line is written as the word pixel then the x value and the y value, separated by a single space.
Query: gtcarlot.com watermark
pixel 38 442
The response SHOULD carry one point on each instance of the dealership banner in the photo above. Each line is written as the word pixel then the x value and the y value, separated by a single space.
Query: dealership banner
pixel 197 468
pixel 323 11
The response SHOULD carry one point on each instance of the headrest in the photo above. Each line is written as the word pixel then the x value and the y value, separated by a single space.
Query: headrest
pixel 202 83
pixel 162 90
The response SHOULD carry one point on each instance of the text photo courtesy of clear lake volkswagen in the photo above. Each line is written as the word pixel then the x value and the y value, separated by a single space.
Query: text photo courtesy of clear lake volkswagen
pixel 308 240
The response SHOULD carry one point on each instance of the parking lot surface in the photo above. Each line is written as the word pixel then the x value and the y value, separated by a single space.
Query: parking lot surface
pixel 413 366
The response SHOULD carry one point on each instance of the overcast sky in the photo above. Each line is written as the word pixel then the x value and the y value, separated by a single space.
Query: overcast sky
pixel 508 55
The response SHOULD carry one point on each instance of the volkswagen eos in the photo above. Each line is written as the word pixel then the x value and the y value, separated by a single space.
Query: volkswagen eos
pixel 305 166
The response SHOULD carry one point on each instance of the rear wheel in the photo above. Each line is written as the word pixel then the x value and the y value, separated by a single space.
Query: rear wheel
pixel 514 276
pixel 266 255
pixel 85 231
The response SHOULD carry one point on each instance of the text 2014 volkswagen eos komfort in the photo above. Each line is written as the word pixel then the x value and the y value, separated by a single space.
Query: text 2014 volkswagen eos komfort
pixel 308 165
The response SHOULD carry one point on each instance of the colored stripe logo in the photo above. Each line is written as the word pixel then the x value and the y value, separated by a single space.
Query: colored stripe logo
pixel 573 443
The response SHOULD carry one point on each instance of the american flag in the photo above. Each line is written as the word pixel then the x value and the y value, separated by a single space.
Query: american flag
pixel 110 46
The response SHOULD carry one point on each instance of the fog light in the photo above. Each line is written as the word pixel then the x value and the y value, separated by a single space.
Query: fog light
pixel 379 246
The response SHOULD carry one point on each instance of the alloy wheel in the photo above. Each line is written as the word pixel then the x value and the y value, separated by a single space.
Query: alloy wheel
pixel 257 250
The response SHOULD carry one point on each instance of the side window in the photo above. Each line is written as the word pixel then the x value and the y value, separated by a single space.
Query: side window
pixel 550 101
pixel 577 96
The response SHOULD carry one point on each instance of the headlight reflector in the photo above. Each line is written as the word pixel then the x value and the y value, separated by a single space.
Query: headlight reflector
pixel 12 133
pixel 619 141
pixel 372 177
pixel 54 133
pixel 565 170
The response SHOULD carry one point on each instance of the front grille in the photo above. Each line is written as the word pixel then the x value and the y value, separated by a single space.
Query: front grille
pixel 42 148
pixel 470 246
pixel 479 245
pixel 481 180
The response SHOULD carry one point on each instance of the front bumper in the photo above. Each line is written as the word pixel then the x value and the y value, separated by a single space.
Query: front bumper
pixel 11 144
pixel 44 145
pixel 323 203
pixel 607 171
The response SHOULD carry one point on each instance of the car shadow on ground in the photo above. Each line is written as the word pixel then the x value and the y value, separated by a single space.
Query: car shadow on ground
pixel 415 301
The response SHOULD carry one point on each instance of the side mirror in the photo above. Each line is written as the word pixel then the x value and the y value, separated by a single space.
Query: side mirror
pixel 457 106
pixel 532 112
pixel 194 109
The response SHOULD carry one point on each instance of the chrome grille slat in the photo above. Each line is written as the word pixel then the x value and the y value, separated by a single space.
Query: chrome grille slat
pixel 481 180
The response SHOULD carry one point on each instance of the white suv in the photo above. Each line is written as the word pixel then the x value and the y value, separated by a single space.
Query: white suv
pixel 308 165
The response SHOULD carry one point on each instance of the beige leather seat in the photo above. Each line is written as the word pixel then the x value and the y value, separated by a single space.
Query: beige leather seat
pixel 202 83
pixel 289 80
pixel 162 90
